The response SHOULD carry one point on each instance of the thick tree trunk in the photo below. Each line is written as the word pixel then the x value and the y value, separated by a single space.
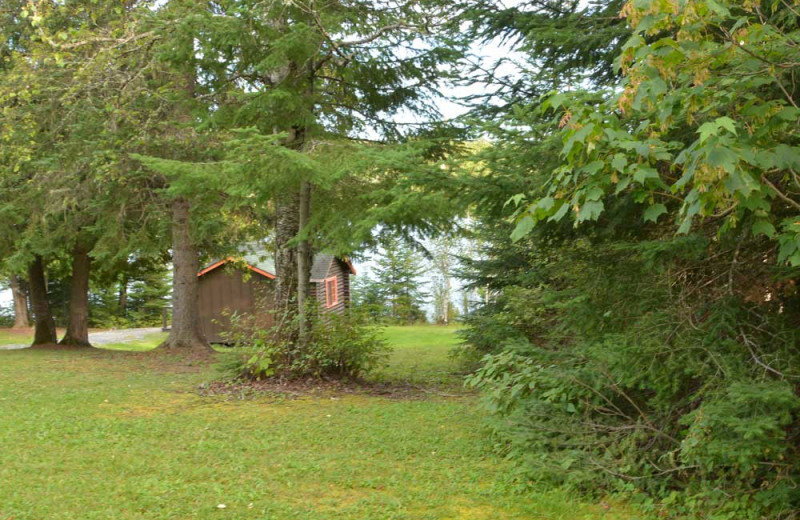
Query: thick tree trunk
pixel 45 327
pixel 21 318
pixel 77 333
pixel 185 333
pixel 303 264
pixel 286 228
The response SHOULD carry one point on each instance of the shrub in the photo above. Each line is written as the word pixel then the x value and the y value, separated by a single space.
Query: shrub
pixel 659 369
pixel 344 345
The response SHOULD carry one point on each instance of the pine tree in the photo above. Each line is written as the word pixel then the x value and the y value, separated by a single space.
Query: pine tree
pixel 398 276
pixel 301 83
pixel 365 294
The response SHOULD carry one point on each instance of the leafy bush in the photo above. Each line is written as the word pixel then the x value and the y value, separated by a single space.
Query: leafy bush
pixel 344 345
pixel 663 368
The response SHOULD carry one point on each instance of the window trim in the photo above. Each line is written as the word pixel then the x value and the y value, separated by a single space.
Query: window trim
pixel 332 299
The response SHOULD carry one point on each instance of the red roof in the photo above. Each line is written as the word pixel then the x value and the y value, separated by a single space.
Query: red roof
pixel 261 271
pixel 230 259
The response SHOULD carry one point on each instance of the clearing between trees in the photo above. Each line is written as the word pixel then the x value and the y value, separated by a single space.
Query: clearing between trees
pixel 108 434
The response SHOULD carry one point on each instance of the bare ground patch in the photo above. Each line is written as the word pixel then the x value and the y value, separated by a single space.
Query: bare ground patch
pixel 294 388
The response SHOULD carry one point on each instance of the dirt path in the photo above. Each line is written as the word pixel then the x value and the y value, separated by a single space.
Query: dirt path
pixel 104 337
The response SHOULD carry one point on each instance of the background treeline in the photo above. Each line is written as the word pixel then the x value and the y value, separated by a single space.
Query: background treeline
pixel 133 299
pixel 412 281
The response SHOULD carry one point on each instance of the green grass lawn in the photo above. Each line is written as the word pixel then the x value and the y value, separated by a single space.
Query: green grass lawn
pixel 149 342
pixel 123 435
pixel 421 355
pixel 12 337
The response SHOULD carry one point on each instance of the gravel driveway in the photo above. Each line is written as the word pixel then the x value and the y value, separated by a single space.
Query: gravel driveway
pixel 105 337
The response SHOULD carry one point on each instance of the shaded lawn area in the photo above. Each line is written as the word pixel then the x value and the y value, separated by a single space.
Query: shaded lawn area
pixel 107 434
pixel 12 337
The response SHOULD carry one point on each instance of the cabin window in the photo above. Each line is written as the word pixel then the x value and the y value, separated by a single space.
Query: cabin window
pixel 331 291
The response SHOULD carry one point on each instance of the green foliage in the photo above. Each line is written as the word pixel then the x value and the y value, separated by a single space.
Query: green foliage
pixel 741 429
pixel 551 46
pixel 344 346
pixel 395 295
pixel 6 316
pixel 147 296
pixel 641 329
pixel 703 131
pixel 136 300
pixel 609 368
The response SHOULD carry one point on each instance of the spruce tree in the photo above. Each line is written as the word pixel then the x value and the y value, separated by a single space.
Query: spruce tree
pixel 63 81
pixel 300 84
pixel 398 276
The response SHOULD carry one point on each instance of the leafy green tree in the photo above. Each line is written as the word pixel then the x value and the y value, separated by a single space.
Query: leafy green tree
pixel 642 326
pixel 63 83
pixel 704 129
pixel 351 67
pixel 18 128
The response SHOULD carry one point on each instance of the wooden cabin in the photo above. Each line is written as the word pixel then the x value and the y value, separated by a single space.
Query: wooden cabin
pixel 246 287
pixel 330 282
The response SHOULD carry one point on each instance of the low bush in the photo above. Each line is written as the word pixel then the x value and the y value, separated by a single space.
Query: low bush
pixel 661 369
pixel 344 345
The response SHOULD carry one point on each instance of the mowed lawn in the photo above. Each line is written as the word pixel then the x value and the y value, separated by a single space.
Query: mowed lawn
pixel 109 434
pixel 11 337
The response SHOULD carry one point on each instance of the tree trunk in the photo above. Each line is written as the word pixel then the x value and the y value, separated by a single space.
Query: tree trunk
pixel 77 333
pixel 185 333
pixel 286 228
pixel 123 297
pixel 447 299
pixel 303 264
pixel 45 327
pixel 21 318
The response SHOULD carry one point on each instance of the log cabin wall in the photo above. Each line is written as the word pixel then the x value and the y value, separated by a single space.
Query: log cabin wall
pixel 339 271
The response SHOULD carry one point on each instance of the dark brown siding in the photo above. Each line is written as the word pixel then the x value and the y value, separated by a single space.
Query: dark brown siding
pixel 223 291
